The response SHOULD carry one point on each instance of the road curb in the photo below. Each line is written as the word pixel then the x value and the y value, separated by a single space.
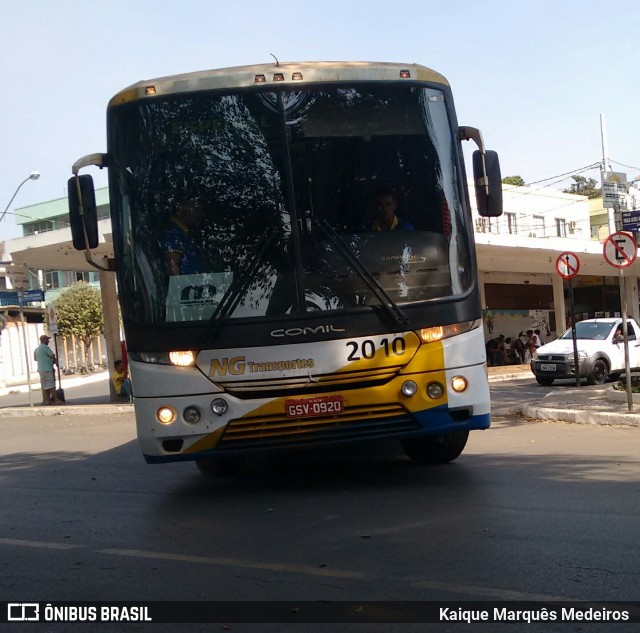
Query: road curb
pixel 606 418
pixel 92 409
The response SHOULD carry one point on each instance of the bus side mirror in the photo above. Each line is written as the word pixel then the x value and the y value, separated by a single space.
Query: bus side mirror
pixel 488 183
pixel 83 214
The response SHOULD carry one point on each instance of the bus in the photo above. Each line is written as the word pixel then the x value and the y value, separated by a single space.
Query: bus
pixel 267 303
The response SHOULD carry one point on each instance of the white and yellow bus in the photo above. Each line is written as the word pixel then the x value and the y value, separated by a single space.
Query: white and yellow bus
pixel 267 302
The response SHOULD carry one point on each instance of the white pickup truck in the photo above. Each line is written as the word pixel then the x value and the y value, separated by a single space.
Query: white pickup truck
pixel 600 352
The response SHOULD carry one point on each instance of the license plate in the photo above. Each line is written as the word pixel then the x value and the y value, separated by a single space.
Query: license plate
pixel 310 407
pixel 547 367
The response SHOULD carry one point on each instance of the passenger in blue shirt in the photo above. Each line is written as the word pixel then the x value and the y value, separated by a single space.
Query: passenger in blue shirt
pixel 181 252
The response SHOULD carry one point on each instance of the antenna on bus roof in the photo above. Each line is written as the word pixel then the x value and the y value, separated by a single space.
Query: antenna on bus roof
pixel 274 57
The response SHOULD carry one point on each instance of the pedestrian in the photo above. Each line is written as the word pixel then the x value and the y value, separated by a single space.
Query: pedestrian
pixel 537 341
pixel 529 345
pixel 492 352
pixel 519 347
pixel 121 381
pixel 46 359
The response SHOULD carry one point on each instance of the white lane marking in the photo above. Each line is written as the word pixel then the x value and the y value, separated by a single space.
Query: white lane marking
pixel 44 544
pixel 230 562
pixel 488 592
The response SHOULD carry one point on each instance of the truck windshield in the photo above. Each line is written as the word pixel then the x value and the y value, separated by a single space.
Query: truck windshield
pixel 590 331
pixel 276 202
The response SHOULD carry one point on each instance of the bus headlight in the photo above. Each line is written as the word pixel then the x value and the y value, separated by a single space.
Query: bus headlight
pixel 191 415
pixel 182 359
pixel 435 390
pixel 219 406
pixel 409 388
pixel 459 384
pixel 432 334
pixel 166 415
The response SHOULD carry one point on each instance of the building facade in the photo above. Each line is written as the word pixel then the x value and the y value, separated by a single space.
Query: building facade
pixel 517 257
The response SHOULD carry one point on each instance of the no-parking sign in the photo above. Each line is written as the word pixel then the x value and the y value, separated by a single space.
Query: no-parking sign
pixel 620 250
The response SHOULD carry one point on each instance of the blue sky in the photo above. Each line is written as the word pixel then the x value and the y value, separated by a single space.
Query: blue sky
pixel 533 75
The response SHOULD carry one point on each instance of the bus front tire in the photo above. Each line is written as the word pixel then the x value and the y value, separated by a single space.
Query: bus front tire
pixel 437 449
pixel 220 466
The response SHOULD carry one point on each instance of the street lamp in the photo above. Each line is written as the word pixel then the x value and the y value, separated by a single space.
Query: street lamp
pixel 34 175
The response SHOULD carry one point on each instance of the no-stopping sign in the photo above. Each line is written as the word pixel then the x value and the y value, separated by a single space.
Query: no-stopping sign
pixel 620 250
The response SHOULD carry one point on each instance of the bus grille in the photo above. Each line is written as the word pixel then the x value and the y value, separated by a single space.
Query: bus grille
pixel 354 423
pixel 277 387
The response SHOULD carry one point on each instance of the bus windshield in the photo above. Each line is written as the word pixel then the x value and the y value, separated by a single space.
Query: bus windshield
pixel 272 203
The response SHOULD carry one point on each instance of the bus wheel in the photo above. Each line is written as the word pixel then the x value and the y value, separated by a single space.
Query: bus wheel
pixel 220 466
pixel 438 449
pixel 545 381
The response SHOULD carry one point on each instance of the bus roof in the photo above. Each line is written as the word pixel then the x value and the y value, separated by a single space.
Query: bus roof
pixel 281 73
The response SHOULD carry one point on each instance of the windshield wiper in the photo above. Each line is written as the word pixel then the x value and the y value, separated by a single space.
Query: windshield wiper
pixel 386 302
pixel 241 281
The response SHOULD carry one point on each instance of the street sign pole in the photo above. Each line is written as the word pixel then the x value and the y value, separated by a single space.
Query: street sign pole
pixel 572 315
pixel 625 333
pixel 24 341
pixel 620 251
pixel 567 266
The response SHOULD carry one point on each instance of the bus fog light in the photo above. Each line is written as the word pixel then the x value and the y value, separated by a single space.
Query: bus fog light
pixel 409 388
pixel 166 415
pixel 459 384
pixel 435 390
pixel 191 415
pixel 219 406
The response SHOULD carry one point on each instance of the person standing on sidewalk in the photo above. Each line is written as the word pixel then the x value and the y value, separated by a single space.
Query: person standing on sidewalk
pixel 46 359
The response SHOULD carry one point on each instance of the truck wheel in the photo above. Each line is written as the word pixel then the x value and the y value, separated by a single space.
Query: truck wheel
pixel 599 372
pixel 220 466
pixel 545 381
pixel 438 449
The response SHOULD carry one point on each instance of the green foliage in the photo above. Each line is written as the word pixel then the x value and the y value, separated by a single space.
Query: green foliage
pixel 584 187
pixel 518 181
pixel 622 385
pixel 79 313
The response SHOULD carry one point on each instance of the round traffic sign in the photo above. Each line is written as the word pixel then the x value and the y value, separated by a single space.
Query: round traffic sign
pixel 620 249
pixel 567 265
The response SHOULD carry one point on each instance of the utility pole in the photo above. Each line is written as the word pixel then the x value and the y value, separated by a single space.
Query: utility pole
pixel 611 212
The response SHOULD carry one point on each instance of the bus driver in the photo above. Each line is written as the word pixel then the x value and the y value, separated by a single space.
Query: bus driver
pixel 384 208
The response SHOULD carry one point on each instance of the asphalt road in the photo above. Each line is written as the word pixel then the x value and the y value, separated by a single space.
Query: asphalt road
pixel 530 511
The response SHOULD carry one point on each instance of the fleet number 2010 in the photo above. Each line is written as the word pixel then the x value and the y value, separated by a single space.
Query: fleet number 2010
pixel 367 349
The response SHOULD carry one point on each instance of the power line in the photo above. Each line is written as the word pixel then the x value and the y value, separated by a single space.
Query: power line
pixel 29 217
pixel 569 173
pixel 623 165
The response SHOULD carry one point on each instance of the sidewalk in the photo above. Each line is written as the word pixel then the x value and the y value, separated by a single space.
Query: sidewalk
pixel 602 405
pixel 509 372
pixel 99 404
pixel 570 404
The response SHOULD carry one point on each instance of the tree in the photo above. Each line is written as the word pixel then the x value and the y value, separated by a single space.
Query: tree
pixel 584 187
pixel 79 313
pixel 518 181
